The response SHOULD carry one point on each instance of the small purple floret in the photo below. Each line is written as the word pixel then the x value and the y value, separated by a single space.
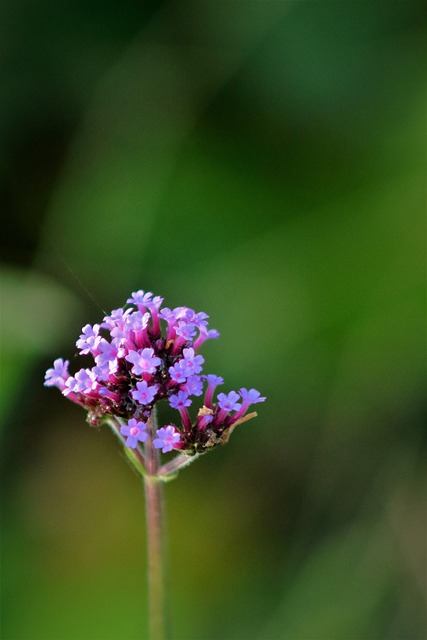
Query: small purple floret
pixel 143 361
pixel 58 374
pixel 194 386
pixel 191 364
pixel 251 397
pixel 180 400
pixel 135 432
pixel 229 402
pixel 167 438
pixel 89 339
pixel 143 393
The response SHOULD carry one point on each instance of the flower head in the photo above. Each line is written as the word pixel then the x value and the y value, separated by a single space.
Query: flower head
pixel 144 354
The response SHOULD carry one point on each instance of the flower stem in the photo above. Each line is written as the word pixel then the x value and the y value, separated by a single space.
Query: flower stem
pixel 155 538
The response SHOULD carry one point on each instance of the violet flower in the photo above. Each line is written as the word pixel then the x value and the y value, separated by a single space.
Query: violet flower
pixel 144 354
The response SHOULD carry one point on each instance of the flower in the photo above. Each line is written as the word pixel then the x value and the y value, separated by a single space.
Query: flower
pixel 179 400
pixel 251 397
pixel 194 386
pixel 144 354
pixel 84 381
pixel 143 361
pixel 135 432
pixel 167 438
pixel 213 381
pixel 58 374
pixel 229 402
pixel 143 393
pixel 89 339
pixel 191 363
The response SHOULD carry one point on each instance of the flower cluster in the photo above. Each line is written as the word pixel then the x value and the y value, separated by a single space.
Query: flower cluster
pixel 143 354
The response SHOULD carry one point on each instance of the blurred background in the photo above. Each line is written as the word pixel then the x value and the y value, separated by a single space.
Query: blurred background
pixel 263 161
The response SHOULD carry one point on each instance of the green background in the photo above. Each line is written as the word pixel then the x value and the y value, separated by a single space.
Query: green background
pixel 263 162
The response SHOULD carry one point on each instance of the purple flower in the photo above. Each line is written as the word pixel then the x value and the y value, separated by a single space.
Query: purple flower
pixel 180 400
pixel 167 438
pixel 191 363
pixel 89 339
pixel 168 315
pixel 137 321
pixel 229 402
pixel 205 335
pixel 117 316
pixel 57 375
pixel 186 331
pixel 200 319
pixel 177 372
pixel 84 381
pixel 194 386
pixel 140 299
pixel 135 432
pixel 164 363
pixel 143 393
pixel 143 362
pixel 108 368
pixel 108 352
pixel 184 313
pixel 155 303
pixel 213 381
pixel 251 397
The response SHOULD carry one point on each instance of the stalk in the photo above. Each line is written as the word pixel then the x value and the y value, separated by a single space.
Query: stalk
pixel 155 538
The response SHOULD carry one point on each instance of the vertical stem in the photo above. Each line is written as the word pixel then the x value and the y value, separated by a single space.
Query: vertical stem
pixel 155 538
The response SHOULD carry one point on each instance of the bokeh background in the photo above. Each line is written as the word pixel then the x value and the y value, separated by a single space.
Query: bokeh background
pixel 263 161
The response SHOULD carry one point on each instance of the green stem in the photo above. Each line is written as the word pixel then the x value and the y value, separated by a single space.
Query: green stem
pixel 155 538
pixel 169 470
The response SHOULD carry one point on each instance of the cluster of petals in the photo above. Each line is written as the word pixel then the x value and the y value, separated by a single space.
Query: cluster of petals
pixel 142 354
